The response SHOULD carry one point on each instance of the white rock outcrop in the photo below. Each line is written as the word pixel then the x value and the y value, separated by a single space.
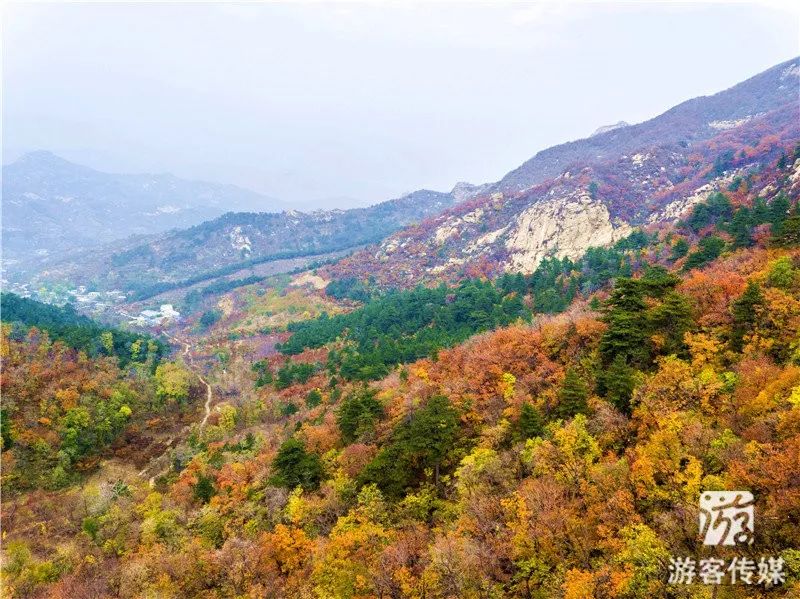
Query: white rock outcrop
pixel 563 228
pixel 678 208
pixel 239 240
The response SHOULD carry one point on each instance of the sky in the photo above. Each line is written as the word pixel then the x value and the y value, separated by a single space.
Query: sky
pixel 345 104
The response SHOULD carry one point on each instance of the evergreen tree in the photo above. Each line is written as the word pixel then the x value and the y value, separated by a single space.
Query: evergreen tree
pixel 204 489
pixel 417 445
pixel 572 396
pixel 741 228
pixel 788 232
pixel 357 415
pixel 672 319
pixel 679 249
pixel 709 249
pixel 627 332
pixel 619 382
pixel 779 209
pixel 432 432
pixel 657 281
pixel 313 398
pixel 531 422
pixel 294 466
pixel 745 313
pixel 716 209
pixel 761 212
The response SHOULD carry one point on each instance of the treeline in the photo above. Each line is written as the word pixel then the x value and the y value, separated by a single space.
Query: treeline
pixel 395 327
pixel 401 326
pixel 718 215
pixel 352 288
pixel 77 331
pixel 557 281
pixel 405 325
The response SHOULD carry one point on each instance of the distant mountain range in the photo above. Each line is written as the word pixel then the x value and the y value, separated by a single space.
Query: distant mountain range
pixel 561 201
pixel 239 240
pixel 51 205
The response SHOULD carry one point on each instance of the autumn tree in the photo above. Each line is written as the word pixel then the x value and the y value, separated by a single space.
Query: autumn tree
pixel 173 382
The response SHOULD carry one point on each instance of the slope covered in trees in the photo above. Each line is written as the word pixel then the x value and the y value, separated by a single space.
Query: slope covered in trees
pixel 77 331
pixel 71 389
pixel 401 326
pixel 561 457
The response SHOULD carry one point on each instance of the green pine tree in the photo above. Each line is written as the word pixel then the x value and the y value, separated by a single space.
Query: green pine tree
pixel 419 445
pixel 745 313
pixel 204 490
pixel 572 396
pixel 788 232
pixel 742 228
pixel 628 328
pixel 531 422
pixel 672 319
pixel 357 415
pixel 679 249
pixel 294 466
pixel 619 381
pixel 779 209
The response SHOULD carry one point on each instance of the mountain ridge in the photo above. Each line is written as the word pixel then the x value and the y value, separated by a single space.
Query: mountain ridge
pixel 591 204
pixel 646 169
pixel 236 240
pixel 688 121
pixel 69 205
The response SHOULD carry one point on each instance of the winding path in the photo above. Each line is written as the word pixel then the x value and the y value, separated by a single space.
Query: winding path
pixel 187 353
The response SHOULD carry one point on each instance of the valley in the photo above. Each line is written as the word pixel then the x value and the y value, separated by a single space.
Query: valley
pixel 514 389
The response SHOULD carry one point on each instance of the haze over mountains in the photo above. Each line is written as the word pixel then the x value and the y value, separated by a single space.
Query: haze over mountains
pixel 586 192
pixel 51 205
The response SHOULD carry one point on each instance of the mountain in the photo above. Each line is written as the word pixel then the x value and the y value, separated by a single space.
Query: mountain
pixel 594 191
pixel 690 122
pixel 51 205
pixel 489 439
pixel 560 202
pixel 240 240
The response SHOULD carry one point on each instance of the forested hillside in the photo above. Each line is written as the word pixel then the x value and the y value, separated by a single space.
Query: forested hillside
pixel 539 435
pixel 72 389
pixel 147 265
pixel 76 331
pixel 591 203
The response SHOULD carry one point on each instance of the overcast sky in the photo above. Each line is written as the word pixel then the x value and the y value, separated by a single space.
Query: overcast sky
pixel 350 104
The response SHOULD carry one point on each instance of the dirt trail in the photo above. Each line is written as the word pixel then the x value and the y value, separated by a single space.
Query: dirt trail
pixel 187 353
